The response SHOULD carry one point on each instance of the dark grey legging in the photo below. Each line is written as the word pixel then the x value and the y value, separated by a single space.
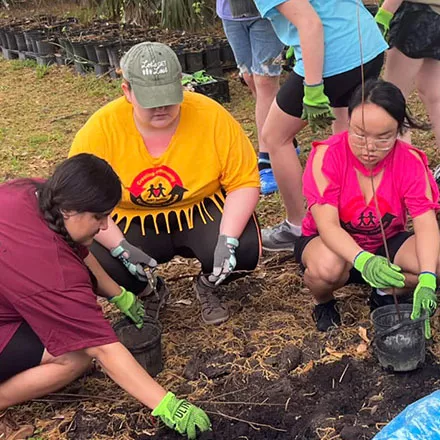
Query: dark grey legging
pixel 198 242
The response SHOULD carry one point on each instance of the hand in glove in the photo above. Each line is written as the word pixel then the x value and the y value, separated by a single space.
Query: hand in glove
pixel 425 299
pixel 316 107
pixel 383 19
pixel 182 416
pixel 133 259
pixel 131 306
pixel 377 272
pixel 224 259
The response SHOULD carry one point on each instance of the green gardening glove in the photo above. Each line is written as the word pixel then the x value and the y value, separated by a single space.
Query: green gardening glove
pixel 377 272
pixel 316 107
pixel 290 53
pixel 182 416
pixel 131 306
pixel 424 299
pixel 383 19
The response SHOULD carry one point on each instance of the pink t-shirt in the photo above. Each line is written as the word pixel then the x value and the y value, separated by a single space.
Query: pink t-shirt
pixel 402 190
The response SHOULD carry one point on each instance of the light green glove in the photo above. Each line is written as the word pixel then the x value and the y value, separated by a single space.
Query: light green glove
pixel 383 19
pixel 316 107
pixel 424 299
pixel 377 272
pixel 131 306
pixel 290 52
pixel 182 416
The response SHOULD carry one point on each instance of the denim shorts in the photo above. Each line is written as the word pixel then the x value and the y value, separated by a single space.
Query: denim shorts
pixel 256 47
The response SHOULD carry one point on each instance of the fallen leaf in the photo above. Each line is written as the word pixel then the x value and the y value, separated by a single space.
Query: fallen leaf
pixel 363 334
pixel 361 348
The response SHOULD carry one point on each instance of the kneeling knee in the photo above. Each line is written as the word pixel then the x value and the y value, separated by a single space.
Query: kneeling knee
pixel 331 274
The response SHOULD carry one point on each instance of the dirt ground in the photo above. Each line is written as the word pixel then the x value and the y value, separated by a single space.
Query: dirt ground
pixel 266 373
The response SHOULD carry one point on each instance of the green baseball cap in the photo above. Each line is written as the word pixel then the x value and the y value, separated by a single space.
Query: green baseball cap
pixel 154 73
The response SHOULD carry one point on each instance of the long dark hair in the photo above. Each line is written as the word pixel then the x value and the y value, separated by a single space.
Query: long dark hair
pixel 386 95
pixel 83 183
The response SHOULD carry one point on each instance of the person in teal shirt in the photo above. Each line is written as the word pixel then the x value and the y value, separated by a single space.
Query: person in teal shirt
pixel 325 36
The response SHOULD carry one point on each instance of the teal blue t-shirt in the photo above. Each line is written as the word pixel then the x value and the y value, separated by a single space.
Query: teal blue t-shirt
pixel 341 37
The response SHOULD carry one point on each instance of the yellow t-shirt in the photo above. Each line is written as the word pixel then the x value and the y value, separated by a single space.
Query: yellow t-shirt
pixel 208 152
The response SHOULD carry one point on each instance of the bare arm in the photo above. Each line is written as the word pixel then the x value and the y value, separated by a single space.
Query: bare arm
pixel 111 237
pixel 427 241
pixel 334 237
pixel 311 33
pixel 123 368
pixel 391 5
pixel 106 286
pixel 239 207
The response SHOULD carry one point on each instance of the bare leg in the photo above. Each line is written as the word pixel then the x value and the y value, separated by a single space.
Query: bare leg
pixel 52 374
pixel 325 271
pixel 278 133
pixel 249 80
pixel 341 122
pixel 402 71
pixel 428 85
pixel 266 89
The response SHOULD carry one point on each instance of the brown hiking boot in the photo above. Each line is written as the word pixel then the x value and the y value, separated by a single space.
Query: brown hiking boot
pixel 11 431
pixel 213 311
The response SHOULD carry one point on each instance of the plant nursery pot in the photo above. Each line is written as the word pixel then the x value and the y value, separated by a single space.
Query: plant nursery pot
pixel 217 89
pixel 91 52
pixel 398 345
pixel 101 53
pixel 194 61
pixel 45 47
pixel 10 37
pixel 21 42
pixel 227 56
pixel 144 344
pixel 211 57
pixel 3 40
pixel 30 37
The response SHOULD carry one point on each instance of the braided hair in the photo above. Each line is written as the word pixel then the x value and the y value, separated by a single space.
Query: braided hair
pixel 83 183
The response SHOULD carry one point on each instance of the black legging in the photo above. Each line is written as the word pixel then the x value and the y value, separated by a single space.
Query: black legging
pixel 198 242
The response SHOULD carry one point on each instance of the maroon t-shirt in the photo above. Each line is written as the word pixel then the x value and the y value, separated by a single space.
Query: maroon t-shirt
pixel 43 281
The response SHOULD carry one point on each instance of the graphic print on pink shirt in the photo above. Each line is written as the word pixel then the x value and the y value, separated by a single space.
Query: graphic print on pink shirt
pixel 402 189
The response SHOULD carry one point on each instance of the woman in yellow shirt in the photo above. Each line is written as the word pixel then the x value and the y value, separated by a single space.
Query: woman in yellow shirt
pixel 189 174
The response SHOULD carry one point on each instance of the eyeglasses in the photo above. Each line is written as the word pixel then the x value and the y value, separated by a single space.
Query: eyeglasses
pixel 361 141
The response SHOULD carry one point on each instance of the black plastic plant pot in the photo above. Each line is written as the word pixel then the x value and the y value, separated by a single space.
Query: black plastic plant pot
pixel 30 36
pixel 45 47
pixel 113 56
pixel 3 40
pixel 67 48
pixel 182 60
pixel 101 53
pixel 101 69
pixel 227 56
pixel 145 344
pixel 91 52
pixel 80 52
pixel 194 61
pixel 211 57
pixel 21 42
pixel 10 37
pixel 218 90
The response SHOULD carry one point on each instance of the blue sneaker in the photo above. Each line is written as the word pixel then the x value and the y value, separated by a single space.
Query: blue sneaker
pixel 267 182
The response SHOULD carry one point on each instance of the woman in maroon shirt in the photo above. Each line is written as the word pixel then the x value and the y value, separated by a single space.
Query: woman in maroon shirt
pixel 51 326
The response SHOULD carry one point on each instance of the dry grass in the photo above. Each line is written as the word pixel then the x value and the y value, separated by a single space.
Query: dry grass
pixel 271 308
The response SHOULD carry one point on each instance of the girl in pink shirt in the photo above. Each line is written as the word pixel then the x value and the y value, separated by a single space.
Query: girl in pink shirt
pixel 342 241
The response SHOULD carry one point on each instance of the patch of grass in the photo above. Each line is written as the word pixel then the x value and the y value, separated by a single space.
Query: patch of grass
pixel 42 70
pixel 38 139
pixel 20 65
